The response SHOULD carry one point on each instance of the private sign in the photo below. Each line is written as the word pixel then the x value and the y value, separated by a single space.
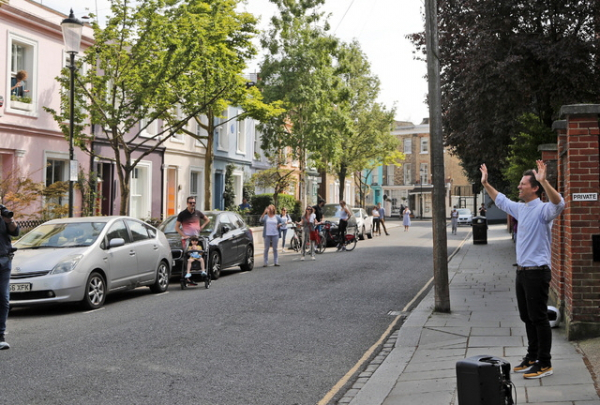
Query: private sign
pixel 585 196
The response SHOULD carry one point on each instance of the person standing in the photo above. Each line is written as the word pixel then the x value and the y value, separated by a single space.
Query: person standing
pixel 382 217
pixel 454 220
pixel 286 219
pixel 533 262
pixel 345 215
pixel 406 218
pixel 17 84
pixel 376 221
pixel 8 228
pixel 190 222
pixel 271 224
pixel 482 210
pixel 308 223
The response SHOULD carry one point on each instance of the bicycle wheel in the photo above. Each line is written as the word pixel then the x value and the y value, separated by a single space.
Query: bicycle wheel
pixel 295 244
pixel 320 245
pixel 351 244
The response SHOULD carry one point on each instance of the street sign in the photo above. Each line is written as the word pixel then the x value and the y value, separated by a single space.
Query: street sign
pixel 585 196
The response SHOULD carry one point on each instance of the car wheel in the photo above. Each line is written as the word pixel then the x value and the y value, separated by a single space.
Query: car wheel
pixel 248 264
pixel 95 291
pixel 162 279
pixel 215 265
pixel 361 236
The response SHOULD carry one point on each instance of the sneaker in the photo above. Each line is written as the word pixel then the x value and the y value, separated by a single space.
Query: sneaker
pixel 538 371
pixel 265 265
pixel 276 264
pixel 343 248
pixel 302 258
pixel 191 283
pixel 188 275
pixel 3 344
pixel 313 258
pixel 525 365
pixel 339 247
pixel 203 273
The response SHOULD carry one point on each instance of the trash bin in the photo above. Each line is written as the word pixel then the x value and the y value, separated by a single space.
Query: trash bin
pixel 484 380
pixel 479 225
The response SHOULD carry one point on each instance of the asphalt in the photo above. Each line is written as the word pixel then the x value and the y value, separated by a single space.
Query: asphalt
pixel 417 364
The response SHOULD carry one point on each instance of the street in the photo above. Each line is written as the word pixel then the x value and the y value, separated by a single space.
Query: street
pixel 276 335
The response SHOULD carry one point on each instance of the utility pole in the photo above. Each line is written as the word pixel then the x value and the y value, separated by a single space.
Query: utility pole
pixel 440 241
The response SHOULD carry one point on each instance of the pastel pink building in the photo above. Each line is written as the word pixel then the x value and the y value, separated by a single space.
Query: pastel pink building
pixel 31 143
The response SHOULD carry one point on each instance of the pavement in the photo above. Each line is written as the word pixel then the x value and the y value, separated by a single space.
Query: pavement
pixel 417 364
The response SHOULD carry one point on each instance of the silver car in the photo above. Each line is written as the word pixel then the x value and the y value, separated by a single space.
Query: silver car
pixel 84 259
pixel 464 216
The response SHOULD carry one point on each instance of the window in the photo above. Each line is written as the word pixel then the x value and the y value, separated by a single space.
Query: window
pixel 221 137
pixel 118 230
pixel 425 145
pixel 241 137
pixel 57 170
pixel 178 138
pixel 196 184
pixel 141 190
pixel 424 172
pixel 149 130
pixel 407 146
pixel 407 173
pixel 23 58
pixel 138 230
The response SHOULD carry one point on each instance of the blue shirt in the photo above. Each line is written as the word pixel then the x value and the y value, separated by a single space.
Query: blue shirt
pixel 534 229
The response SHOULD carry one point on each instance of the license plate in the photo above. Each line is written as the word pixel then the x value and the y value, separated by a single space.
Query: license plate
pixel 22 287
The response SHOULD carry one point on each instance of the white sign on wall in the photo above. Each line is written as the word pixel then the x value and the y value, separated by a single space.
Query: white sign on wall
pixel 585 196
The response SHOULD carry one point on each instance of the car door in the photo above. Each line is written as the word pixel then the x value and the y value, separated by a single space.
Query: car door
pixel 121 260
pixel 239 237
pixel 146 249
pixel 227 241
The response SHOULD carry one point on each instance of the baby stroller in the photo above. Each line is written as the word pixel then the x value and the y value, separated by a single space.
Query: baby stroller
pixel 196 270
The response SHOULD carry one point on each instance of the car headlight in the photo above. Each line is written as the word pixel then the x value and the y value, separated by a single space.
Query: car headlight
pixel 66 264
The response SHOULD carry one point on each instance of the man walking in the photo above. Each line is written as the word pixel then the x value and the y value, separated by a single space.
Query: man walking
pixel 382 218
pixel 533 262
pixel 8 228
pixel 189 221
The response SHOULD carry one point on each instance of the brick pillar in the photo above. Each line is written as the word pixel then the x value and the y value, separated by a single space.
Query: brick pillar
pixel 581 220
pixel 557 285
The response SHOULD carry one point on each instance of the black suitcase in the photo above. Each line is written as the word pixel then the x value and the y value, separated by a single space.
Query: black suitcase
pixel 484 380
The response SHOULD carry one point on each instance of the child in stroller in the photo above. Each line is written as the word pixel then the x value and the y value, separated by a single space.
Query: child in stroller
pixel 195 253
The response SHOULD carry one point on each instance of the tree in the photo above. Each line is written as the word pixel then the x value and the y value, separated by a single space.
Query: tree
pixel 161 62
pixel 298 71
pixel 364 127
pixel 276 177
pixel 502 60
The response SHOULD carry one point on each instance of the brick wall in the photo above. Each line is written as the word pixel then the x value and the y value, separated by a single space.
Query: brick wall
pixel 576 277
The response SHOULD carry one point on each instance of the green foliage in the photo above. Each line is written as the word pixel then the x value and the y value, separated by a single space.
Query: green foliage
pixel 158 63
pixel 229 194
pixel 275 177
pixel 262 201
pixel 503 59
pixel 523 150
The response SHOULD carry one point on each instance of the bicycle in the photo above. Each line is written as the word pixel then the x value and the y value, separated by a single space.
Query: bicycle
pixel 296 240
pixel 349 241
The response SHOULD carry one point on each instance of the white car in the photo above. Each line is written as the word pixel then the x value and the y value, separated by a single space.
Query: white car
pixel 364 223
pixel 464 216
pixel 84 259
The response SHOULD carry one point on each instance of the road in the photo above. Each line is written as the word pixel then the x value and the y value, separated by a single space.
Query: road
pixel 278 335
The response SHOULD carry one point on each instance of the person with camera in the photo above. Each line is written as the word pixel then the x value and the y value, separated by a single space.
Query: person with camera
pixel 8 228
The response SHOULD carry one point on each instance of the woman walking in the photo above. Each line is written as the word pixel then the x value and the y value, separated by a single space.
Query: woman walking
pixel 376 221
pixel 271 223
pixel 454 220
pixel 283 227
pixel 308 222
pixel 345 214
pixel 406 219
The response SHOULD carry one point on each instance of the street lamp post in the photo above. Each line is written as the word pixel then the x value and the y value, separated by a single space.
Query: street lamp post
pixel 71 29
pixel 421 205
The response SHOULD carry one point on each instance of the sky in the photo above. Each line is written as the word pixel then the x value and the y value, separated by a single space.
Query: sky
pixel 380 26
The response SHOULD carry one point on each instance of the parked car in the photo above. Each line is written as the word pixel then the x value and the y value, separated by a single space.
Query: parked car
pixel 364 223
pixel 84 259
pixel 464 216
pixel 230 242
pixel 331 213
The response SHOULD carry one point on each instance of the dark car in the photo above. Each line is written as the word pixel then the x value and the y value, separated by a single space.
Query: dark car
pixel 230 242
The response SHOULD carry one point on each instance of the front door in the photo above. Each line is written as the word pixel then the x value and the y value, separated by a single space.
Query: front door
pixel 171 191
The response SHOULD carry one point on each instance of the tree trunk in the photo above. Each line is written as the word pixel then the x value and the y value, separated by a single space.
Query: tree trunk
pixel 208 161
pixel 342 177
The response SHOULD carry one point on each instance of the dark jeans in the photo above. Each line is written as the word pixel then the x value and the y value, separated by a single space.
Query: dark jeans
pixel 376 224
pixel 5 265
pixel 532 299
pixel 342 231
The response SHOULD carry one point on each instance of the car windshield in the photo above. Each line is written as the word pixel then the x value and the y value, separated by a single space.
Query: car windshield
pixel 61 235
pixel 330 210
pixel 169 225
pixel 464 211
